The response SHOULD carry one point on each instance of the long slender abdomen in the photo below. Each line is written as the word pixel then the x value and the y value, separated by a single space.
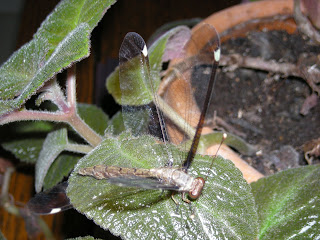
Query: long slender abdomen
pixel 106 172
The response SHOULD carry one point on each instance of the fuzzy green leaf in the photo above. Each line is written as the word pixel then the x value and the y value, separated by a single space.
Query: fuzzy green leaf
pixel 94 117
pixel 62 39
pixel 225 210
pixel 54 144
pixel 289 204
pixel 27 150
pixel 25 139
pixel 59 169
pixel 116 124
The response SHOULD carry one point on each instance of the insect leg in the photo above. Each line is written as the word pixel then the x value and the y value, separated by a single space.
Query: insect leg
pixel 184 198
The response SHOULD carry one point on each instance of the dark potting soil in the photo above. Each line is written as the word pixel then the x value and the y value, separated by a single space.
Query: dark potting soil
pixel 265 106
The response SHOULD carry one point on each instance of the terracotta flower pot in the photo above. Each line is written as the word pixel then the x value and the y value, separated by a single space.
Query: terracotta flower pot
pixel 257 12
pixel 236 21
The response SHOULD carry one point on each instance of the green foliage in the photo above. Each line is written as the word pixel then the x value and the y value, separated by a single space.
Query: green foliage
pixel 25 139
pixel 53 145
pixel 225 209
pixel 116 124
pixel 26 149
pixel 94 117
pixel 288 204
pixel 231 140
pixel 60 168
pixel 62 39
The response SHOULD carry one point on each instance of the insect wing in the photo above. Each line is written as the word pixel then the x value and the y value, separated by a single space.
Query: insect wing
pixel 145 183
pixel 135 94
pixel 189 88
pixel 52 201
pixel 186 93
pixel 138 89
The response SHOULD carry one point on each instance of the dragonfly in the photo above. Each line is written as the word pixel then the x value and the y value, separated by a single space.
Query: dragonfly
pixel 133 50
pixel 176 124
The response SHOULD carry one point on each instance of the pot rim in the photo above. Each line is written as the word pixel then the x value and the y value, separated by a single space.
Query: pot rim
pixel 233 16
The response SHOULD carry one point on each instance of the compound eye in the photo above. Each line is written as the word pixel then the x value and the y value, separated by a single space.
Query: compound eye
pixel 197 187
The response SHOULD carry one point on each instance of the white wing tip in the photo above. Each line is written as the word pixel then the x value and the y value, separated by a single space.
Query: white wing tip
pixel 55 210
pixel 217 55
pixel 145 51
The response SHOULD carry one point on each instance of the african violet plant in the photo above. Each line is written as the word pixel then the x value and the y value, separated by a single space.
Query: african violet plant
pixel 282 206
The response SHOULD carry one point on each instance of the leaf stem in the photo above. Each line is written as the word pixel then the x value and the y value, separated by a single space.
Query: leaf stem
pixel 73 118
pixel 71 87
pixel 78 148
pixel 70 117
pixel 83 129
pixel 67 112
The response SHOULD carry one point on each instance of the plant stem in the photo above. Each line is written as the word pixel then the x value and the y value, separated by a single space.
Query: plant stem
pixel 14 210
pixel 83 129
pixel 304 23
pixel 71 87
pixel 4 200
pixel 32 115
pixel 67 112
pixel 45 229
pixel 78 148
pixel 6 181
pixel 70 117
pixel 73 118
